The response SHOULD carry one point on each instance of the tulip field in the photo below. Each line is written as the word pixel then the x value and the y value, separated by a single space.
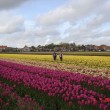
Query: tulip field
pixel 36 82
pixel 89 61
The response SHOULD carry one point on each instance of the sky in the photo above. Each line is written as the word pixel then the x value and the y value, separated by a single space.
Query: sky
pixel 41 22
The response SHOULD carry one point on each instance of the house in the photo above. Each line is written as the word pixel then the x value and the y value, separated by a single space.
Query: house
pixel 2 48
pixel 89 47
pixel 108 48
pixel 102 48
pixel 26 49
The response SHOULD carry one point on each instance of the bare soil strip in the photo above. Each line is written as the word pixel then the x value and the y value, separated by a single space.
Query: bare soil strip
pixel 65 67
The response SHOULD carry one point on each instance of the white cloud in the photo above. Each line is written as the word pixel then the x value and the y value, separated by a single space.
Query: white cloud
pixel 72 11
pixel 106 33
pixel 80 21
pixel 86 17
pixel 46 31
pixel 9 4
pixel 10 23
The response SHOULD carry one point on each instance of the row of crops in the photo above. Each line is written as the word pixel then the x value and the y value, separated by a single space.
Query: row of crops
pixel 88 61
pixel 66 53
pixel 10 100
pixel 52 89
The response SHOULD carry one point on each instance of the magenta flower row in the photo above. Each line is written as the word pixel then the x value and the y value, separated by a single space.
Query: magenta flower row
pixel 75 78
pixel 54 87
pixel 25 102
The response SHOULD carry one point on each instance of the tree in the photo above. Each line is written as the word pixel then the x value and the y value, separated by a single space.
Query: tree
pixel 33 49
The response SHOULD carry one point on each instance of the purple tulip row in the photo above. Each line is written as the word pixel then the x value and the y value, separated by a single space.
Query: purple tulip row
pixel 8 96
pixel 54 87
pixel 76 78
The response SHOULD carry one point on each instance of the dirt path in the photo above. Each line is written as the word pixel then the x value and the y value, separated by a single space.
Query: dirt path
pixel 65 67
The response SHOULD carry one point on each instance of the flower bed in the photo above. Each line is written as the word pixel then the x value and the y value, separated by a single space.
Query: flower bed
pixel 63 85
pixel 99 84
pixel 10 100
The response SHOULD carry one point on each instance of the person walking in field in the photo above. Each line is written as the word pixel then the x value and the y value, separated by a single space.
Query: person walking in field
pixel 54 56
pixel 61 56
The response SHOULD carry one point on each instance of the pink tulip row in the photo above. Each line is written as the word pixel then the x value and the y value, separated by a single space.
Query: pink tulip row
pixel 9 96
pixel 54 87
pixel 76 78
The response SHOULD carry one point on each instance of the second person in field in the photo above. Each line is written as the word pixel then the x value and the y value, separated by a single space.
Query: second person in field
pixel 61 56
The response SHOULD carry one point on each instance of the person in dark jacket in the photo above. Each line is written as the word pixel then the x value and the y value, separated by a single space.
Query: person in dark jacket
pixel 54 56
pixel 61 56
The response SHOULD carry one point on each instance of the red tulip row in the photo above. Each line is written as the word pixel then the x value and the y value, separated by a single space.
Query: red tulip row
pixel 9 100
pixel 54 87
pixel 102 84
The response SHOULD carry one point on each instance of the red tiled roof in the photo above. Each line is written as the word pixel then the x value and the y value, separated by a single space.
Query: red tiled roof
pixel 2 47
